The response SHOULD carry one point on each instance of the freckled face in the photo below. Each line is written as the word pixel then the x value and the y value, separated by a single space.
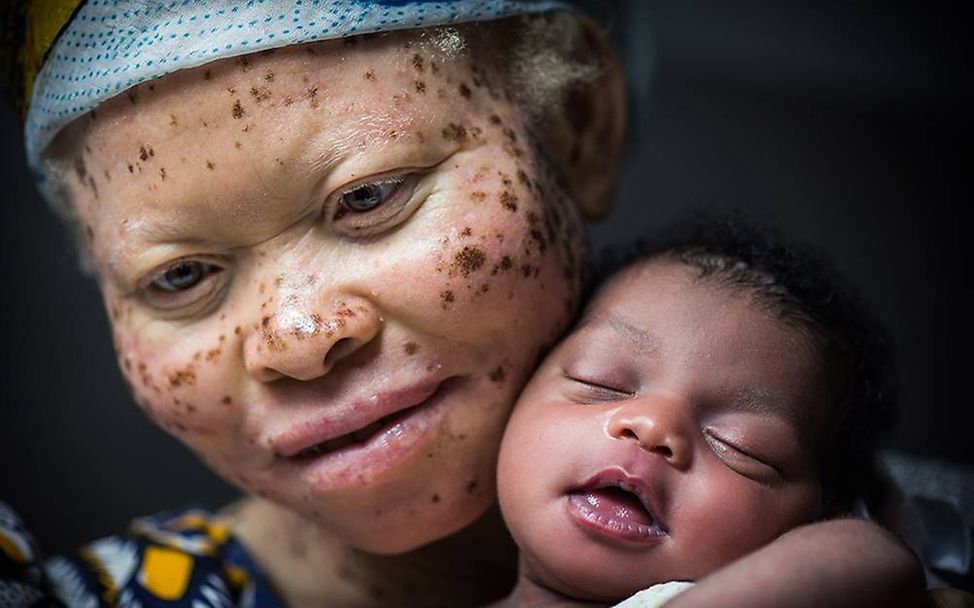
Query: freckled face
pixel 329 270
pixel 672 432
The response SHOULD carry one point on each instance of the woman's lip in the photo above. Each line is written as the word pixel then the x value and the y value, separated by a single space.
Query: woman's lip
pixel 339 421
pixel 361 462
pixel 583 505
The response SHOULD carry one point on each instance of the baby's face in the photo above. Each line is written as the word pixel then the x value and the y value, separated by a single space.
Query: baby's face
pixel 329 270
pixel 673 431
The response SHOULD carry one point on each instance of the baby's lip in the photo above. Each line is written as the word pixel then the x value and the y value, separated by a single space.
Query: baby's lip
pixel 357 415
pixel 618 477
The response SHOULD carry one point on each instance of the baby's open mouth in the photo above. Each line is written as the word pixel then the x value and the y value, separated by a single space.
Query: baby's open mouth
pixel 617 503
pixel 359 436
pixel 612 505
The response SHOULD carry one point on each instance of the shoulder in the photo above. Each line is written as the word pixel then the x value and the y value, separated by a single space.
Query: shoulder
pixel 181 558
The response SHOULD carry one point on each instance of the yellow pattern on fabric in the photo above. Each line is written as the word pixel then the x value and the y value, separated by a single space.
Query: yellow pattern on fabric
pixel 237 576
pixel 165 572
pixel 45 20
pixel 8 546
pixel 104 576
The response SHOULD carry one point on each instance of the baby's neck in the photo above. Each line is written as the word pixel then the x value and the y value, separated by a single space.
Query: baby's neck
pixel 308 566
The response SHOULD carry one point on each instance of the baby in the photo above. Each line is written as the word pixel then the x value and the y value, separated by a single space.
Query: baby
pixel 718 392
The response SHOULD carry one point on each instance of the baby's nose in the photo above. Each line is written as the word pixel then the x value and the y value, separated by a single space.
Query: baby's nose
pixel 305 342
pixel 657 423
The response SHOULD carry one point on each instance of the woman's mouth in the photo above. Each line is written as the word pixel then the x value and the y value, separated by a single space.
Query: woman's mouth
pixel 618 506
pixel 361 435
pixel 360 455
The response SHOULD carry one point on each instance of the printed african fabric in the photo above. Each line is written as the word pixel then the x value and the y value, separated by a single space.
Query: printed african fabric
pixel 183 559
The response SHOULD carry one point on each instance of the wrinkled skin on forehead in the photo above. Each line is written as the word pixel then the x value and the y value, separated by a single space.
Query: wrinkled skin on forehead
pixel 250 300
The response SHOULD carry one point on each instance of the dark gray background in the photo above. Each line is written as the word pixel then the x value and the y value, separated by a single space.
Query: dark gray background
pixel 840 123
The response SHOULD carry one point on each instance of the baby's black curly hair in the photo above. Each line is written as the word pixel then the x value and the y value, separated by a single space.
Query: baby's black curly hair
pixel 803 289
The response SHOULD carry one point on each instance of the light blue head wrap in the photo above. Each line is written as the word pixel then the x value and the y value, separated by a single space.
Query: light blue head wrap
pixel 112 45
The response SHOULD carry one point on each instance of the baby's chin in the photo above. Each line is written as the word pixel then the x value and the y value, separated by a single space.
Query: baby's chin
pixel 586 581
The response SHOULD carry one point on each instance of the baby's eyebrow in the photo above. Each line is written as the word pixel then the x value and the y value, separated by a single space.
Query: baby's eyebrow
pixel 769 403
pixel 644 342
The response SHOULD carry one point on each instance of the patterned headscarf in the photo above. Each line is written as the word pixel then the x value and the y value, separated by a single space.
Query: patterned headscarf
pixel 78 54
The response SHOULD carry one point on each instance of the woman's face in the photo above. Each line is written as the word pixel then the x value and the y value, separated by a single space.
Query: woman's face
pixel 329 269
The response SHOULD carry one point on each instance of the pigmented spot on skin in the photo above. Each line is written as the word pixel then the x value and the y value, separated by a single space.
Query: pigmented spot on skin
pixel 446 297
pixel 435 498
pixel 420 86
pixel 410 348
pixel 183 377
pixel 494 119
pixel 478 196
pixel 133 97
pixel 146 153
pixel 370 75
pixel 210 165
pixel 497 375
pixel 454 132
pixel 244 62
pixel 260 93
pixel 508 201
pixel 131 168
pixel 162 173
pixel 270 336
pixel 466 232
pixel 468 260
pixel 172 120
pixel 313 97
pixel 237 111
pixel 418 63
pixel 464 90
pixel 207 75
pixel 472 486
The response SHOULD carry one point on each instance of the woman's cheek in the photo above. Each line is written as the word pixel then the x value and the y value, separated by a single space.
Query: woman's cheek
pixel 518 241
pixel 179 387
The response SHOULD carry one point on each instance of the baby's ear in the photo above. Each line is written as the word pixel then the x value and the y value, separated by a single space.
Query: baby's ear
pixel 587 136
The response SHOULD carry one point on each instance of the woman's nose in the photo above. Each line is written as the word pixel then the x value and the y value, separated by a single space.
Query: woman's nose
pixel 304 344
pixel 658 424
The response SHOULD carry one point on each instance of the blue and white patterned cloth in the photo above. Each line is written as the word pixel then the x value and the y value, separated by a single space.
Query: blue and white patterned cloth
pixel 112 45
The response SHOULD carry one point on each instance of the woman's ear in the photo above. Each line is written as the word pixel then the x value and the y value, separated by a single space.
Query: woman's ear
pixel 588 135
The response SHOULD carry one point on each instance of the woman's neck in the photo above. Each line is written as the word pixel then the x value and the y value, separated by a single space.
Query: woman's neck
pixel 308 566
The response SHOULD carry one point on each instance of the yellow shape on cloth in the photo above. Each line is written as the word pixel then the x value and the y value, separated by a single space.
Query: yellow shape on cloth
pixel 165 572
pixel 45 20
pixel 237 576
pixel 8 546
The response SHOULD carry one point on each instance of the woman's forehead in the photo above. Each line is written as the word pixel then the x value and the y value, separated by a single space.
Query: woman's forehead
pixel 359 89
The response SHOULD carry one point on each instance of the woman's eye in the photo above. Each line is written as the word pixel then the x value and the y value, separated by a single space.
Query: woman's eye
pixel 375 206
pixel 183 276
pixel 369 196
pixel 185 286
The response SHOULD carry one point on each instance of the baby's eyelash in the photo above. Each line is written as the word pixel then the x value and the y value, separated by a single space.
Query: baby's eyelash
pixel 610 393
